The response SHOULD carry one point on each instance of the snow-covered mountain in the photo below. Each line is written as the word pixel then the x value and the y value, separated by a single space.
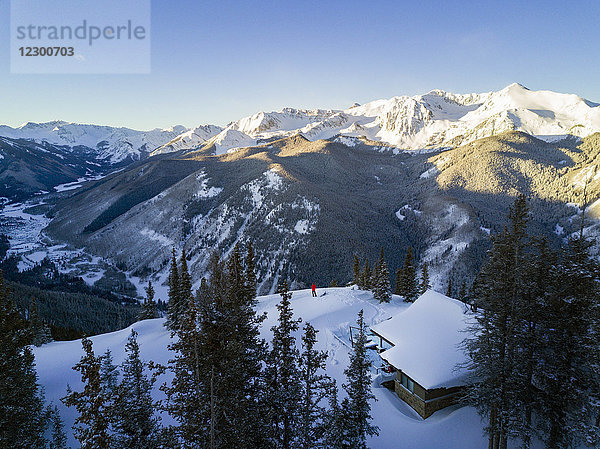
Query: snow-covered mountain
pixel 190 139
pixel 105 142
pixel 436 119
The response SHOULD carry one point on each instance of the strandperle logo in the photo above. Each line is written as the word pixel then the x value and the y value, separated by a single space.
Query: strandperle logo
pixel 83 32
pixel 80 36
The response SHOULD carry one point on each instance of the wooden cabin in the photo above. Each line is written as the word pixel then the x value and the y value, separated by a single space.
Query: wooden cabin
pixel 423 346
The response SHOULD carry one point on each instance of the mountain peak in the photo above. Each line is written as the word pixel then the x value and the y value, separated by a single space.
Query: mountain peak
pixel 515 86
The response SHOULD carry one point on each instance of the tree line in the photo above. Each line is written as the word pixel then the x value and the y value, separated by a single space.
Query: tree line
pixel 229 387
pixel 408 284
pixel 534 349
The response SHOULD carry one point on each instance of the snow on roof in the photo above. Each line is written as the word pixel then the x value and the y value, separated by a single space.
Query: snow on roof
pixel 426 339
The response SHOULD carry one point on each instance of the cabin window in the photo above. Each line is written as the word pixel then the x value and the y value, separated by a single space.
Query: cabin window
pixel 407 383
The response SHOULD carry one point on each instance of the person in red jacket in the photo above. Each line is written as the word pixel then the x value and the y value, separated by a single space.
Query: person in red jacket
pixel 314 290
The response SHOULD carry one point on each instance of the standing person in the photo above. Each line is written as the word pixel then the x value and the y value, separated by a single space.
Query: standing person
pixel 314 289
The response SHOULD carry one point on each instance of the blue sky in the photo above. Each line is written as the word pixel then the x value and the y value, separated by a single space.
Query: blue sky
pixel 214 62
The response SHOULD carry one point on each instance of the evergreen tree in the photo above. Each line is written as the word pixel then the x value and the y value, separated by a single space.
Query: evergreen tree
pixel 59 438
pixel 185 284
pixel 409 288
pixel 148 311
pixel 334 436
pixel 135 424
pixel 449 290
pixel 215 393
pixel 283 375
pixel 22 416
pixel 540 279
pixel 424 285
pixel 399 282
pixel 109 378
pixel 570 372
pixel 314 389
pixel 382 290
pixel 356 271
pixel 109 374
pixel 366 277
pixel 356 407
pixel 239 389
pixel 186 398
pixel 501 291
pixel 91 426
pixel 174 306
pixel 250 281
pixel 462 293
pixel 39 330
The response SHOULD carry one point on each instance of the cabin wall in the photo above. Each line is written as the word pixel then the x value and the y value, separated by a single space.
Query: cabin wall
pixel 426 402
pixel 440 392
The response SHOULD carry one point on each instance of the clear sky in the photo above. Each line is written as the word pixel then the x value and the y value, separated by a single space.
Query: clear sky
pixel 217 61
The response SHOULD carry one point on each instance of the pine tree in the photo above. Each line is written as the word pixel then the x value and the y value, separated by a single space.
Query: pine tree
pixel 495 345
pixel 109 378
pixel 250 281
pixel 239 389
pixel 215 393
pixel 109 374
pixel 315 387
pixel 283 375
pixel 185 283
pixel 449 289
pixel 409 287
pixel 173 307
pixel 571 355
pixel 462 293
pixel 91 426
pixel 356 271
pixel 540 280
pixel 366 277
pixel 399 289
pixel 424 285
pixel 382 290
pixel 22 416
pixel 40 331
pixel 186 398
pixel 59 438
pixel 135 425
pixel 148 311
pixel 357 409
pixel 333 422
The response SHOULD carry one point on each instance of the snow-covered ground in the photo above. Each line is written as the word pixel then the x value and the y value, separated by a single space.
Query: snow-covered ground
pixel 331 313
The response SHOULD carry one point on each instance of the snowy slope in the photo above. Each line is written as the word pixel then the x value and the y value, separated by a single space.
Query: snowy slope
pixel 331 314
pixel 189 140
pixel 436 119
pixel 108 143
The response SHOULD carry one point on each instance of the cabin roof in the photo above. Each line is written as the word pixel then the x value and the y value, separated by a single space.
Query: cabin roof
pixel 427 340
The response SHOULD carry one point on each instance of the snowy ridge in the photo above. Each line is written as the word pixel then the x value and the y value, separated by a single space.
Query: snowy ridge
pixel 189 140
pixel 108 143
pixel 437 119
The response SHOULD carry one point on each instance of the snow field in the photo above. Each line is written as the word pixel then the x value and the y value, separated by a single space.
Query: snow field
pixel 331 314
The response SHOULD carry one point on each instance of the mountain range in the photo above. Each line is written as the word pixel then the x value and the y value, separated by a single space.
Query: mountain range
pixel 313 188
pixel 437 119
